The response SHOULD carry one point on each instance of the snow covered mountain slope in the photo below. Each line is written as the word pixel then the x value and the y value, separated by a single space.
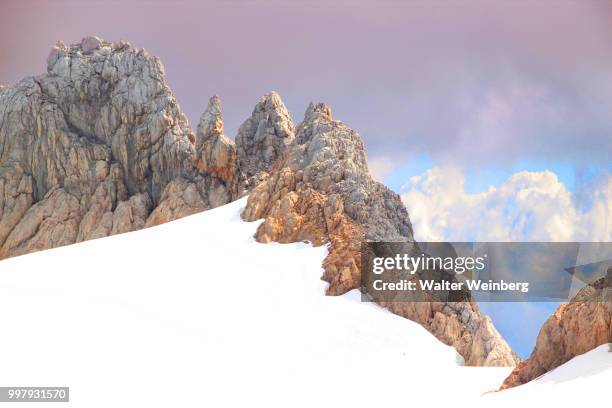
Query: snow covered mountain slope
pixel 196 313
pixel 583 379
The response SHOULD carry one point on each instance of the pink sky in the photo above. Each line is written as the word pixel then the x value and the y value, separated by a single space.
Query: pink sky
pixel 499 80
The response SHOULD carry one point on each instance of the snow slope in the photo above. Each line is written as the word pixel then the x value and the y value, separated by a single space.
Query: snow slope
pixel 196 313
pixel 584 379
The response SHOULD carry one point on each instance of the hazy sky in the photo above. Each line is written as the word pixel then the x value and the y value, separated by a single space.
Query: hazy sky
pixel 451 97
pixel 468 82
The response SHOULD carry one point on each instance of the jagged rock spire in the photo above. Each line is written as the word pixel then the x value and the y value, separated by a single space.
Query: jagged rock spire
pixel 211 121
pixel 216 153
pixel 264 137
pixel 340 150
pixel 320 110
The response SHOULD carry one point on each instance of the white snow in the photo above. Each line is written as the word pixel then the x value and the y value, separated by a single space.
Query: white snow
pixel 582 380
pixel 196 313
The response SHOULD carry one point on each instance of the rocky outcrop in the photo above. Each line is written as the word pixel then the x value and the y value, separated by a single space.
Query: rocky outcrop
pixel 55 219
pixel 95 145
pixel 320 188
pixel 263 138
pixel 575 328
pixel 321 191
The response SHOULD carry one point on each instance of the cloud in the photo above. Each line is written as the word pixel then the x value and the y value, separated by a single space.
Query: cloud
pixel 528 206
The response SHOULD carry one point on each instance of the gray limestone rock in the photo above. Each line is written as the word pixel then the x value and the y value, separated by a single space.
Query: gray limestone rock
pixel 102 130
pixel 331 157
pixel 263 138
pixel 216 153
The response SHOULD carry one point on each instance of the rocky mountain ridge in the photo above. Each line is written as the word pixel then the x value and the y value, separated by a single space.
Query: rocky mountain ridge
pixel 98 146
pixel 321 191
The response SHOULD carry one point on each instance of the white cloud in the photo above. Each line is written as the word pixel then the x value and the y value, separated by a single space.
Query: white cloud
pixel 528 206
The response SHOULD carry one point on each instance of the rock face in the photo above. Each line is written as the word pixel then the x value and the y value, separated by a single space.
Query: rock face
pixel 575 328
pixel 321 191
pixel 96 144
pixel 216 156
pixel 263 138
pixel 216 153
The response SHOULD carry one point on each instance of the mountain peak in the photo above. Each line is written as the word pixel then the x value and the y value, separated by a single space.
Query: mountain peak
pixel 94 144
pixel 272 100
pixel 91 43
pixel 211 121
pixel 216 153
pixel 264 137
pixel 317 111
